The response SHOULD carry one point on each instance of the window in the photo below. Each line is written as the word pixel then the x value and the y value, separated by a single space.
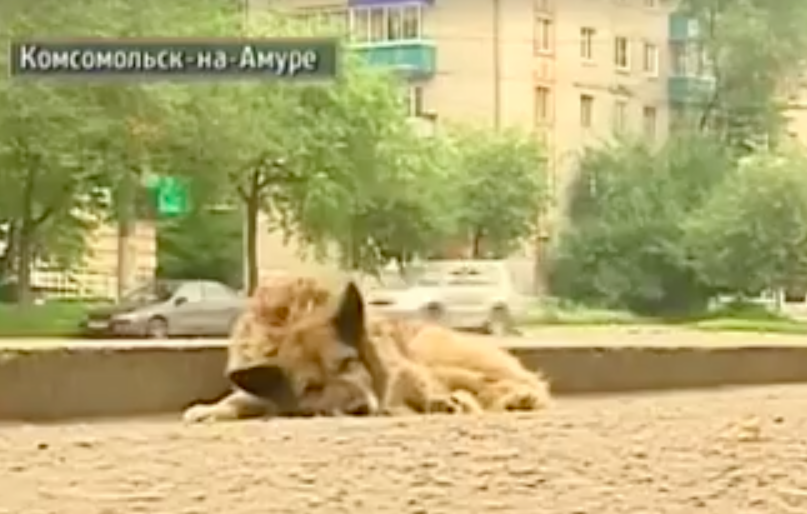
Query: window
pixel 191 291
pixel 395 23
pixel 543 35
pixel 622 53
pixel 321 22
pixel 620 116
pixel 649 117
pixel 650 59
pixel 414 100
pixel 360 25
pixel 586 111
pixel 411 21
pixel 379 31
pixel 587 43
pixel 687 59
pixel 543 106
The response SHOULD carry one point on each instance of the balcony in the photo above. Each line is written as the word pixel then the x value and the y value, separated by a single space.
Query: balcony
pixel 415 59
pixel 689 90
pixel 682 28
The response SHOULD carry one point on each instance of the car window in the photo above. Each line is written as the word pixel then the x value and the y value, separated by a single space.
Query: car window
pixel 482 276
pixel 430 276
pixel 216 291
pixel 191 291
pixel 158 291
pixel 455 276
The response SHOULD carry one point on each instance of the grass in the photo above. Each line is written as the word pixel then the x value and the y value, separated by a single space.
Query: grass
pixel 558 312
pixel 54 319
pixel 736 317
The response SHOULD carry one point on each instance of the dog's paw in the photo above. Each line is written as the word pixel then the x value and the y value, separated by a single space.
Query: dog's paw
pixel 524 399
pixel 466 402
pixel 202 413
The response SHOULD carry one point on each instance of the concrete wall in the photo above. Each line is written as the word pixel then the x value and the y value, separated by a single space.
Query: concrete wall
pixel 141 378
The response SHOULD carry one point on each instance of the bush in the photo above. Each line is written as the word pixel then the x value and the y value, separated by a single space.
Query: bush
pixel 624 246
pixel 751 234
pixel 57 319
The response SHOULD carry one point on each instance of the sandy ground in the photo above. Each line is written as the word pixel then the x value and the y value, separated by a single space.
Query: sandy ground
pixel 721 452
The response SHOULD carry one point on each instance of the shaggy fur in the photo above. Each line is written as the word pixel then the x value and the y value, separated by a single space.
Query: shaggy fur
pixel 293 353
pixel 297 352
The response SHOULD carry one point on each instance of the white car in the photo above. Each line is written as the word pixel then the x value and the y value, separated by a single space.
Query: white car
pixel 462 294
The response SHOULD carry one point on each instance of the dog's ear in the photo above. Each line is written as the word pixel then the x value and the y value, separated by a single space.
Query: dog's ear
pixel 349 319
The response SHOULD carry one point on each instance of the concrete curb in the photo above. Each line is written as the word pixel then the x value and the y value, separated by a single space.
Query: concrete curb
pixel 80 380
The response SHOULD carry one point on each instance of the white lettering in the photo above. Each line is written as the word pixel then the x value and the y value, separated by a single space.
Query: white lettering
pixel 59 60
pixel 303 61
pixel 273 61
pixel 204 59
pixel 248 59
pixel 119 60
pixel 96 60
pixel 220 60
pixel 28 55
pixel 151 61
pixel 281 63
pixel 175 61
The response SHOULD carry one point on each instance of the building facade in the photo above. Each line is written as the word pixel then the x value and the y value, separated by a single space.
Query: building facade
pixel 577 72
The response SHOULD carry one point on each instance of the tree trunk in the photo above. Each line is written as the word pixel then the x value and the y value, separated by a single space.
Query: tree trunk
pixel 25 240
pixel 252 211
pixel 126 221
pixel 8 263
pixel 476 244
pixel 24 261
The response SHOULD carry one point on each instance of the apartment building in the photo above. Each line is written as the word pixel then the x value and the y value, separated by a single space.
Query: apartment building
pixel 577 72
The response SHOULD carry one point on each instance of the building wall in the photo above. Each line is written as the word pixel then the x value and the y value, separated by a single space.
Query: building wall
pixel 464 88
pixel 97 275
pixel 599 78
pixel 470 86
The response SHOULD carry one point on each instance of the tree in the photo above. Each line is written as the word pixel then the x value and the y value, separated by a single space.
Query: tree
pixel 756 50
pixel 201 244
pixel 61 147
pixel 499 187
pixel 751 234
pixel 623 246
pixel 320 159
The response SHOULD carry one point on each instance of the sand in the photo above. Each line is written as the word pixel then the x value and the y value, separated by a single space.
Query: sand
pixel 740 451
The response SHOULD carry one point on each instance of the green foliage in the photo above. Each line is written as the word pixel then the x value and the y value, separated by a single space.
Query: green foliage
pixel 63 145
pixel 623 245
pixel 57 319
pixel 201 245
pixel 499 187
pixel 335 165
pixel 755 48
pixel 751 235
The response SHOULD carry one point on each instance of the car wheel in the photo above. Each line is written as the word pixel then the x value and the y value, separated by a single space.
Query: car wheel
pixel 499 323
pixel 157 328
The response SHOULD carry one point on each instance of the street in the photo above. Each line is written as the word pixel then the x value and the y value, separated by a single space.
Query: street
pixel 735 450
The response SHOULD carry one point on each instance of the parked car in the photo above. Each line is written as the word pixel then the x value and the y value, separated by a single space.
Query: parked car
pixel 166 308
pixel 464 294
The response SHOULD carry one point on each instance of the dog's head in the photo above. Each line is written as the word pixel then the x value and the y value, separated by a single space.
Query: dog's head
pixel 299 347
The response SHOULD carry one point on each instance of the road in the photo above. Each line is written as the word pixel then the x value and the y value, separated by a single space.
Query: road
pixel 729 451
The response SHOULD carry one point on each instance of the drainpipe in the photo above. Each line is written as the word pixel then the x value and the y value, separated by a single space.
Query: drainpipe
pixel 497 65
